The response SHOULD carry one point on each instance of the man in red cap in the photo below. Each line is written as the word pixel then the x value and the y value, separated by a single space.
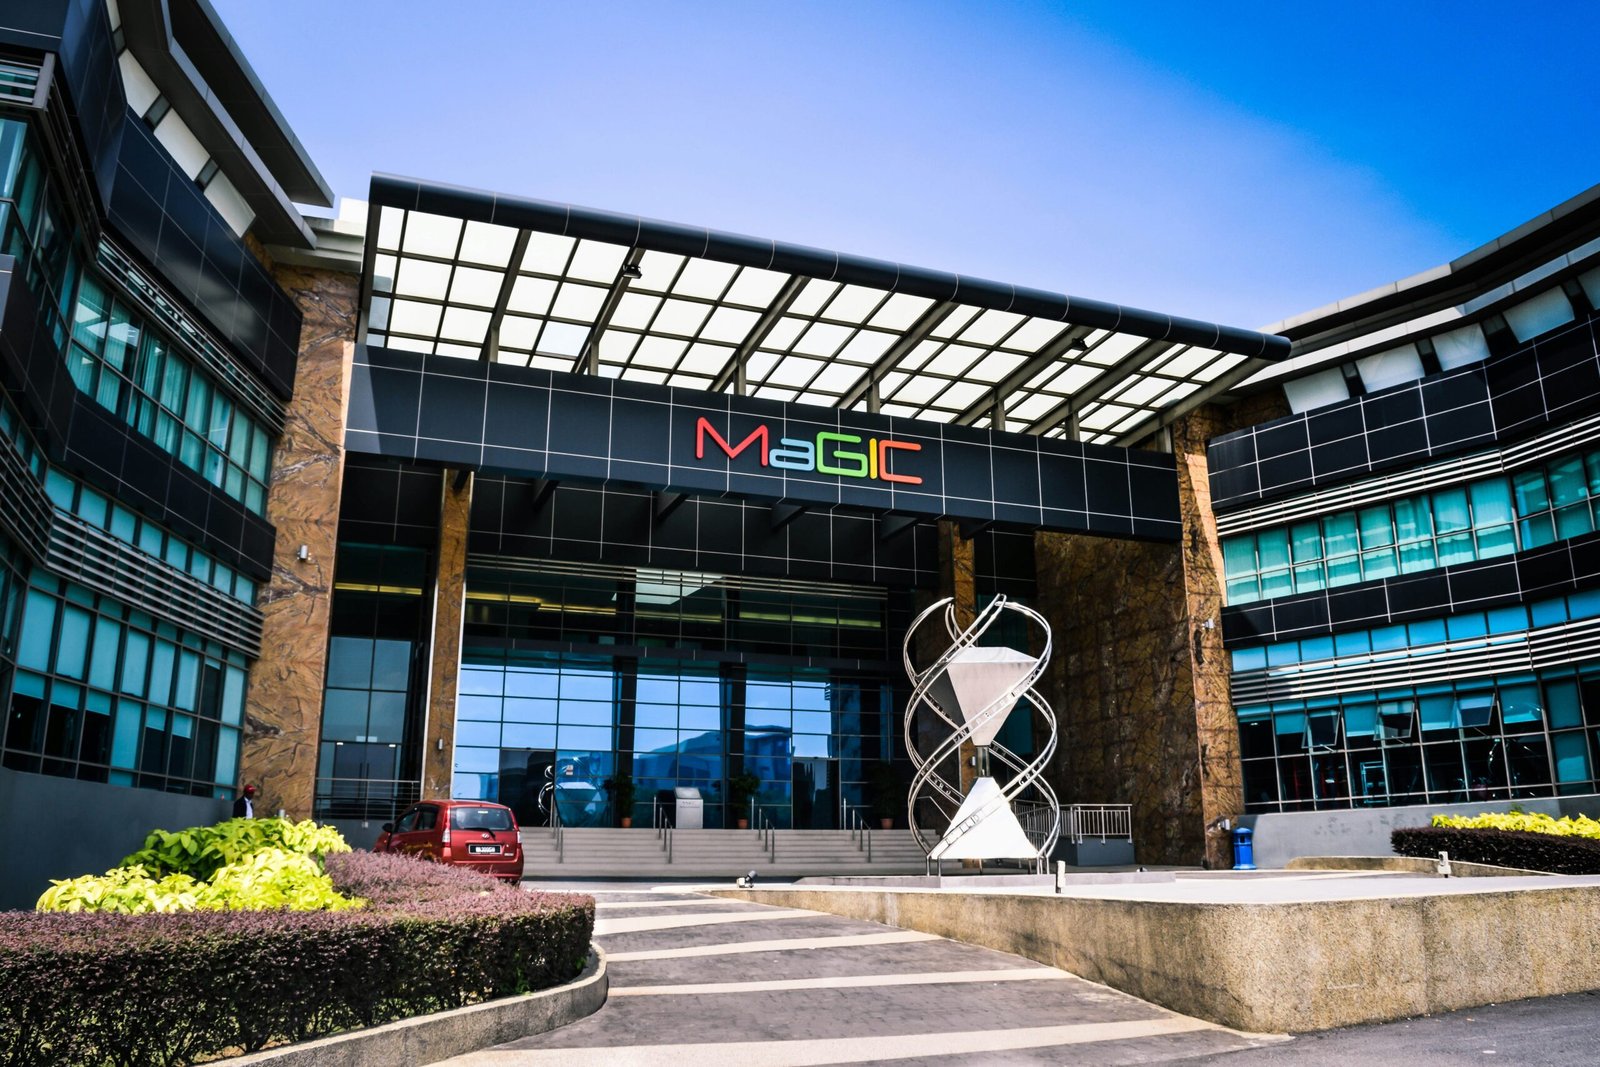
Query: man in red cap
pixel 244 807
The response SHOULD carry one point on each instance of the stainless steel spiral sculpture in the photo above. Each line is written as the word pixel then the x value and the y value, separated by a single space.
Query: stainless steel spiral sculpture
pixel 973 689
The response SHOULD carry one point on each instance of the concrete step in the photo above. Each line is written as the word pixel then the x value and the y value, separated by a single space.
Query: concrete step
pixel 605 852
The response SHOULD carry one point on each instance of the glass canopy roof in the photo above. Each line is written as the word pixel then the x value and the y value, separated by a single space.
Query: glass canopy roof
pixel 473 275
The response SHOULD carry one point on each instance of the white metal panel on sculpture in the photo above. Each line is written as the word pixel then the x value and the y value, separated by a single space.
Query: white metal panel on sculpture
pixel 972 690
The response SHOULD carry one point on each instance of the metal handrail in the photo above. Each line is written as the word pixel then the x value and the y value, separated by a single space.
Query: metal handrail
pixel 559 829
pixel 1099 820
pixel 364 798
pixel 664 835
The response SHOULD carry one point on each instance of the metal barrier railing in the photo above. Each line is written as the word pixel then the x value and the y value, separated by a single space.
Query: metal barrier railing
pixel 1100 821
pixel 368 799
pixel 559 829
pixel 664 834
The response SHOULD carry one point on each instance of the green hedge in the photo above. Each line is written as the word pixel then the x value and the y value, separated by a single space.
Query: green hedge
pixel 1527 850
pixel 161 990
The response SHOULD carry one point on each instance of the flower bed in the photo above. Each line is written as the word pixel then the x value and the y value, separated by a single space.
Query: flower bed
pixel 166 989
pixel 1530 851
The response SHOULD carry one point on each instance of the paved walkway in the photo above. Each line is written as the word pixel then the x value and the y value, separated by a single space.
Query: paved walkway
pixel 702 981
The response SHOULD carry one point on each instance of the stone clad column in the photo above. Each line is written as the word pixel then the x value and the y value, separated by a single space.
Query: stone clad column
pixel 956 579
pixel 1220 778
pixel 283 711
pixel 449 609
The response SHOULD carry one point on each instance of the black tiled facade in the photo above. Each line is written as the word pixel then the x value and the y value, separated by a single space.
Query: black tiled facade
pixel 1555 378
pixel 459 412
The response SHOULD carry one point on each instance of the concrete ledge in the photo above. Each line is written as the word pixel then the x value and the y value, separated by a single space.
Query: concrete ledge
pixel 430 1038
pixel 989 881
pixel 1269 967
pixel 1405 864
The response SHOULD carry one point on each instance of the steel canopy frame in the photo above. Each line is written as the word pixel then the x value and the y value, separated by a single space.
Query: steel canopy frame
pixel 471 274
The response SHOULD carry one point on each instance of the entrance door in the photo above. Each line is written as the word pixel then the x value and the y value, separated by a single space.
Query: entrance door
pixel 527 784
pixel 816 794
pixel 363 785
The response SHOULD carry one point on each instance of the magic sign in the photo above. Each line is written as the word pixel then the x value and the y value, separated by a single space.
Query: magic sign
pixel 828 453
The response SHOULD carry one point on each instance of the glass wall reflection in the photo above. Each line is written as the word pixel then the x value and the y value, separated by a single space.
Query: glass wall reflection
pixel 677 680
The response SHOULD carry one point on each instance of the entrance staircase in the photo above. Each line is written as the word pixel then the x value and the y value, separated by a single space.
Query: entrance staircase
pixel 590 852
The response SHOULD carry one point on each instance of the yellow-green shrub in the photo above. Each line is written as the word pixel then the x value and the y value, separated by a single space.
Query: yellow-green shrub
pixel 199 851
pixel 268 879
pixel 126 890
pixel 1528 822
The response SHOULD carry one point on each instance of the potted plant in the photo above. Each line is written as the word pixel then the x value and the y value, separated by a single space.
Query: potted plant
pixel 885 792
pixel 621 789
pixel 741 787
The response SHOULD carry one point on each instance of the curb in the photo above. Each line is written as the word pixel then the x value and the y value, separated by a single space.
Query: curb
pixel 443 1034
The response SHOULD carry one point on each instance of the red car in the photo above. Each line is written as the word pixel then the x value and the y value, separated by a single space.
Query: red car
pixel 467 833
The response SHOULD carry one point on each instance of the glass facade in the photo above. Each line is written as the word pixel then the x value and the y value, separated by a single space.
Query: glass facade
pixel 113 352
pixel 677 679
pixel 1486 738
pixel 371 706
pixel 104 692
pixel 1480 520
pixel 132 370
pixel 96 688
pixel 1494 738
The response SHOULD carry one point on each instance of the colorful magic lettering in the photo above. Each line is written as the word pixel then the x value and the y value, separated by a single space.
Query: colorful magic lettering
pixel 826 454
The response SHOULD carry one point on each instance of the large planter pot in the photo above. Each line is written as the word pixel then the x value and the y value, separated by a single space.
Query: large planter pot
pixel 886 824
pixel 627 822
pixel 743 824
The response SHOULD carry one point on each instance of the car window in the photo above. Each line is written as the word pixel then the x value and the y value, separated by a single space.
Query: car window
pixel 407 823
pixel 427 818
pixel 480 819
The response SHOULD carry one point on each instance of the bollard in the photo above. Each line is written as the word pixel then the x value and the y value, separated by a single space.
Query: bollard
pixel 1244 852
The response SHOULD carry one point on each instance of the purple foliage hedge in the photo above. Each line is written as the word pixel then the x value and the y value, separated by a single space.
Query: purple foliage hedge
pixel 1556 853
pixel 161 990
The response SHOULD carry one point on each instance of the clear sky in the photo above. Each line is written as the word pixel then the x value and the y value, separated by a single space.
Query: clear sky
pixel 1233 162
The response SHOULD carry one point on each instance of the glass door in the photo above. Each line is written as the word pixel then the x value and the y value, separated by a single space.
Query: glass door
pixel 816 794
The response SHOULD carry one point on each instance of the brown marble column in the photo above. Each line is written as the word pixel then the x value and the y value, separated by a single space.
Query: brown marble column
pixel 1220 777
pixel 283 710
pixel 955 580
pixel 449 606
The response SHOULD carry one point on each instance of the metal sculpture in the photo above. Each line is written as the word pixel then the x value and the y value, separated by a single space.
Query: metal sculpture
pixel 972 690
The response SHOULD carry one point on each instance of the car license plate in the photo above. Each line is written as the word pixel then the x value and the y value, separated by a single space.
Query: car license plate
pixel 477 850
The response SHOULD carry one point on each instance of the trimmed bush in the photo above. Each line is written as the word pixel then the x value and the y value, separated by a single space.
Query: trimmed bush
pixel 1555 853
pixel 1532 822
pixel 200 851
pixel 238 865
pixel 161 990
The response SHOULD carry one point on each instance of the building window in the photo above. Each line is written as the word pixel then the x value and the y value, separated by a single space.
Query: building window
pixel 1481 520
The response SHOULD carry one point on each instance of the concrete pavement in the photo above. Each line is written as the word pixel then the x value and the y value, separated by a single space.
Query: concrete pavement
pixel 705 981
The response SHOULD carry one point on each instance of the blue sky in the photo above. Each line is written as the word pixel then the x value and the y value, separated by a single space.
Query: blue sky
pixel 1239 163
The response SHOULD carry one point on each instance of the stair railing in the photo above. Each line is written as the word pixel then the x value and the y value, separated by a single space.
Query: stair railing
pixel 559 829
pixel 664 835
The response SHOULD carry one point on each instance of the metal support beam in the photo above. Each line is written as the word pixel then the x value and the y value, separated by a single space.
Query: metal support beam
pixel 543 490
pixel 1115 375
pixel 867 386
pixel 588 361
pixel 665 503
pixel 784 514
pixel 491 339
pixel 891 525
pixel 1069 340
pixel 732 372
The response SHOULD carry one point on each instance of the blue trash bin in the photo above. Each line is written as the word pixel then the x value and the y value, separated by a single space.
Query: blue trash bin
pixel 1244 850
